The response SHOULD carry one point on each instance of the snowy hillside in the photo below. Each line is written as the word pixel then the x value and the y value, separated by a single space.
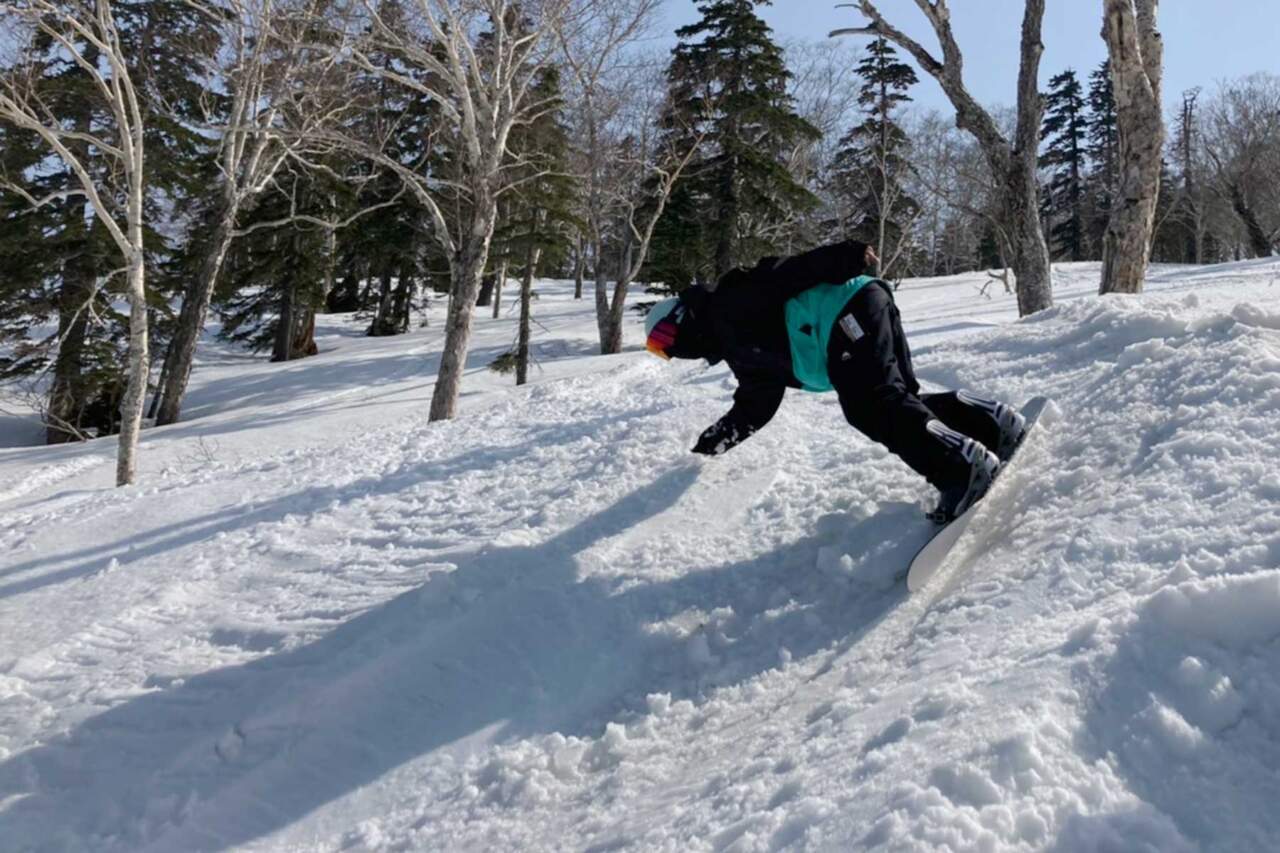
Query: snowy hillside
pixel 321 623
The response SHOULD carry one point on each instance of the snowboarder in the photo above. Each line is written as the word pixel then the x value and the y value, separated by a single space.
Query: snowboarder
pixel 816 321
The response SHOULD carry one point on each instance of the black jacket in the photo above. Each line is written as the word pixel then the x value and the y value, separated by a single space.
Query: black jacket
pixel 742 321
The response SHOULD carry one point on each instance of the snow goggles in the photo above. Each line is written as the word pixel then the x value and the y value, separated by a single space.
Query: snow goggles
pixel 663 335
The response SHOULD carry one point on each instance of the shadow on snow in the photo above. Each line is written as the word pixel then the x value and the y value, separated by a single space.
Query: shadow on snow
pixel 512 643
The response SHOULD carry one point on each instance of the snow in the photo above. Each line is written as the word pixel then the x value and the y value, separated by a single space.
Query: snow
pixel 321 623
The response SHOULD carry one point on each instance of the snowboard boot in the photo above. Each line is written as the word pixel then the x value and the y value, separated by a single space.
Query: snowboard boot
pixel 982 466
pixel 1010 423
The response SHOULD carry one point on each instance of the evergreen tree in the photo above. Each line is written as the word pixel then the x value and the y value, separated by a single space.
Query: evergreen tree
pixel 391 244
pixel 1103 148
pixel 276 274
pixel 727 78
pixel 1064 131
pixel 870 163
pixel 59 258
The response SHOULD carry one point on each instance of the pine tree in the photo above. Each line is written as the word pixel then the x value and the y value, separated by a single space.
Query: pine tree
pixel 59 257
pixel 1064 130
pixel 391 243
pixel 275 274
pixel 870 163
pixel 1103 148
pixel 727 77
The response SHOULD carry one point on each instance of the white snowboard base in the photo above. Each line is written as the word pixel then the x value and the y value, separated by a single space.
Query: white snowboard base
pixel 930 559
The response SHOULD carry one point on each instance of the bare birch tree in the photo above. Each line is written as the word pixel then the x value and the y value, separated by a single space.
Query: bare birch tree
pixel 477 62
pixel 1013 159
pixel 262 74
pixel 1241 140
pixel 1136 54
pixel 651 173
pixel 823 87
pixel 591 50
pixel 86 30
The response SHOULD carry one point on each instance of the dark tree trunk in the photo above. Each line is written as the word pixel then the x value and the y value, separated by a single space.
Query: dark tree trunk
pixel 402 302
pixel 155 399
pixel 728 225
pixel 68 394
pixel 191 319
pixel 610 343
pixel 579 267
pixel 485 299
pixel 1259 242
pixel 345 298
pixel 526 303
pixel 497 289
pixel 383 319
pixel 283 346
pixel 304 336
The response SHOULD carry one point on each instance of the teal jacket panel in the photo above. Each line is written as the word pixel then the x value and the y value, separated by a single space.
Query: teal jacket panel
pixel 810 319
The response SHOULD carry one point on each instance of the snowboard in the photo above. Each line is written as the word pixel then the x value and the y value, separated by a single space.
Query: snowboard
pixel 942 549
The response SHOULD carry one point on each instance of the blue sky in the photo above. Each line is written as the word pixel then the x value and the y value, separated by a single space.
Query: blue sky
pixel 1205 40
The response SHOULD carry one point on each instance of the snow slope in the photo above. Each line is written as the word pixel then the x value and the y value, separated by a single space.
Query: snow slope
pixel 321 623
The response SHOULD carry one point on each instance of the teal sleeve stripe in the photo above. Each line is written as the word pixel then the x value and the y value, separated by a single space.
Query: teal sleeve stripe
pixel 810 319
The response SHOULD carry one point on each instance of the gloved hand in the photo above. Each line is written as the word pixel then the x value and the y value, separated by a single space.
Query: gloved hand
pixel 718 438
pixel 709 444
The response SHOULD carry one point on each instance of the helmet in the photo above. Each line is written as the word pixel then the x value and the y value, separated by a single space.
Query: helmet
pixel 659 311
pixel 661 325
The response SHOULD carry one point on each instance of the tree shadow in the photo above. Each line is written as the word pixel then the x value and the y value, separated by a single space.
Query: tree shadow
pixel 59 566
pixel 513 642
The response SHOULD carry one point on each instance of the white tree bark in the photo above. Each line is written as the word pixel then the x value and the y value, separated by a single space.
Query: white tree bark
pixel 263 71
pixel 1136 54
pixel 73 25
pixel 610 312
pixel 603 104
pixel 482 90
pixel 1012 160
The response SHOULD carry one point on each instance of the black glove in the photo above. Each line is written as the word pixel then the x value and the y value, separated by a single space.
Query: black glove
pixel 708 444
pixel 719 437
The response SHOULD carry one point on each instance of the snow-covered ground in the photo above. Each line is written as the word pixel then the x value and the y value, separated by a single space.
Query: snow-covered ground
pixel 321 623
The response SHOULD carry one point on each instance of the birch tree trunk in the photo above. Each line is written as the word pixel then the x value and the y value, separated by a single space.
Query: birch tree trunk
pixel 1012 161
pixel 1030 252
pixel 265 57
pixel 466 275
pixel 87 28
pixel 483 89
pixel 139 363
pixel 1136 54
pixel 602 300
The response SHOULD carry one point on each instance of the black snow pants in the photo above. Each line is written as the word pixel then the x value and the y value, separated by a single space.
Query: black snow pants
pixel 869 364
